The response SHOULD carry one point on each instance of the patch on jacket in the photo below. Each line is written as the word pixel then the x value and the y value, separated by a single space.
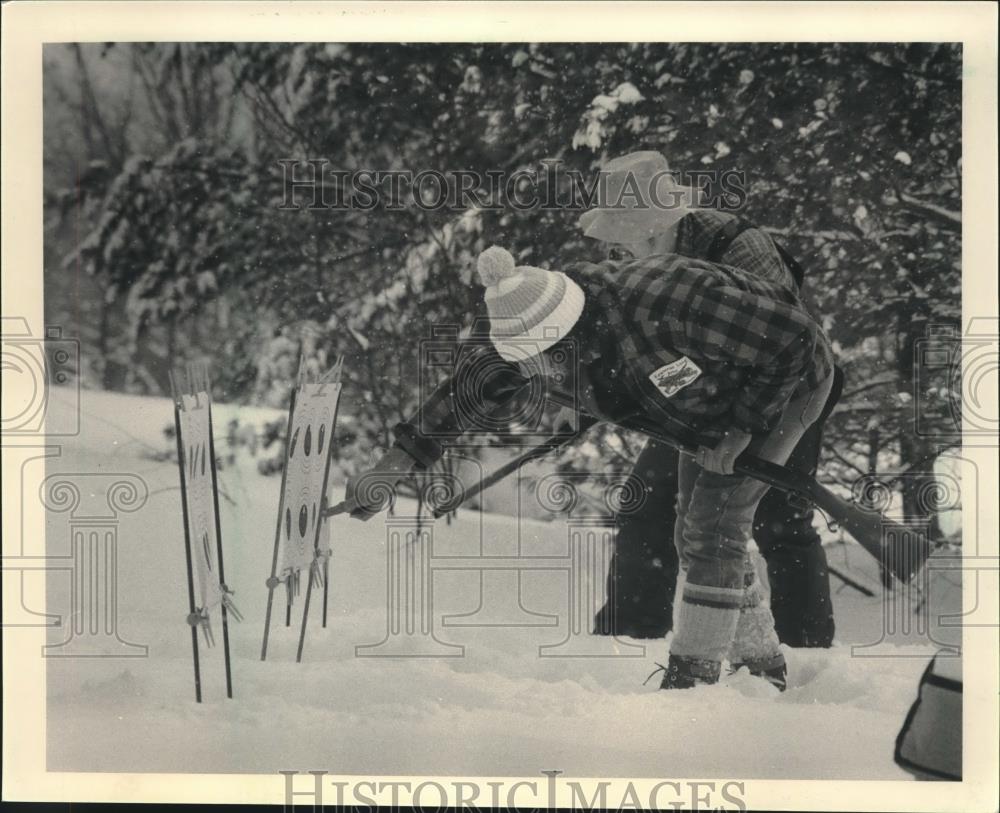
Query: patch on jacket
pixel 671 378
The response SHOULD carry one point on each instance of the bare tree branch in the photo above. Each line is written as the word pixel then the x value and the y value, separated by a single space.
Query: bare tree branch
pixel 892 378
pixel 843 460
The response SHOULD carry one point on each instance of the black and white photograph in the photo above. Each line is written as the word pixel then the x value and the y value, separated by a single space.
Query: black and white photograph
pixel 536 408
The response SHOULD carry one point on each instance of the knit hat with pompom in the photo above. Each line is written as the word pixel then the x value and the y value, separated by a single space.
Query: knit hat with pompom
pixel 530 308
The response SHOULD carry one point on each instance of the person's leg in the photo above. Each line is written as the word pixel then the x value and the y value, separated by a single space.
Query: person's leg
pixel 713 534
pixel 796 562
pixel 755 642
pixel 698 631
pixel 643 572
pixel 715 527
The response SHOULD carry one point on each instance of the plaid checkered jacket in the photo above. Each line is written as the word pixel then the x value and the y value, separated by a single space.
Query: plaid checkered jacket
pixel 743 328
pixel 752 250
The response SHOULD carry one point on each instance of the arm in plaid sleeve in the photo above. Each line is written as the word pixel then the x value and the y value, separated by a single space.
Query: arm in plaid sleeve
pixel 776 340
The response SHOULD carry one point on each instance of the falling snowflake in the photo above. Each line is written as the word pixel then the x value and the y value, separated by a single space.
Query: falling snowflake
pixel 903 158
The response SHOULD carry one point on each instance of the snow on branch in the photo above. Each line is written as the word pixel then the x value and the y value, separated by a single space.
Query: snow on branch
pixel 939 212
pixel 822 234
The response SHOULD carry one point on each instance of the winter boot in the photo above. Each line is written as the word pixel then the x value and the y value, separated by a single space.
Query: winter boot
pixel 686 673
pixel 774 671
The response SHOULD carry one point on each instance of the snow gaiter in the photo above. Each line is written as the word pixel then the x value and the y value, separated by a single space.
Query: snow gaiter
pixel 755 643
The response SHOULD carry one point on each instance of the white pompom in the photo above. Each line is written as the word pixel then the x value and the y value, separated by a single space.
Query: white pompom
pixel 494 264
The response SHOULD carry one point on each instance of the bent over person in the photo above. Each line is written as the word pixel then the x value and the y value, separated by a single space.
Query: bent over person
pixel 643 562
pixel 659 339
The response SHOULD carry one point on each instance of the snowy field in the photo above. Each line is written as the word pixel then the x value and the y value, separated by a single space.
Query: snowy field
pixel 497 705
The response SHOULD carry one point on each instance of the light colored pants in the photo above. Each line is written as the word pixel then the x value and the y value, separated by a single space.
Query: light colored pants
pixel 714 525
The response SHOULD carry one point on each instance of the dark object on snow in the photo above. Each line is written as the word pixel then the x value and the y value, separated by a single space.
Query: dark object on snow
pixel 777 676
pixel 686 673
pixel 929 744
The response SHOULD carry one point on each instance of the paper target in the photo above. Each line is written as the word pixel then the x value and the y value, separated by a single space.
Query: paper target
pixel 306 460
pixel 200 497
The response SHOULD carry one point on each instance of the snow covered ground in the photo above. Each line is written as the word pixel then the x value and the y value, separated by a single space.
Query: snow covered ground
pixel 496 706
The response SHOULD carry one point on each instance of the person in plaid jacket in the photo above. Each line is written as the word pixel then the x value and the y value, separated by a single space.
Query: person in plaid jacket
pixel 658 339
pixel 644 561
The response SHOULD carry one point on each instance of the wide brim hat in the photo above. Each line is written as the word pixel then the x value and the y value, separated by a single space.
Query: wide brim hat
pixel 639 199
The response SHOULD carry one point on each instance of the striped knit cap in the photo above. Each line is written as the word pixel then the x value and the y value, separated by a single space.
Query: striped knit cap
pixel 530 308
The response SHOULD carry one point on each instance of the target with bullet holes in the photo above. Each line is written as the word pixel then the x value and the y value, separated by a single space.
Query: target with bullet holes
pixel 302 537
pixel 302 530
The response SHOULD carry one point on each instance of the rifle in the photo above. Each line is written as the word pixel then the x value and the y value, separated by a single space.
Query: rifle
pixel 549 445
pixel 542 449
pixel 900 549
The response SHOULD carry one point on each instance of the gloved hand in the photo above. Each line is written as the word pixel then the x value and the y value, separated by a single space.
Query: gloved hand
pixel 372 491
